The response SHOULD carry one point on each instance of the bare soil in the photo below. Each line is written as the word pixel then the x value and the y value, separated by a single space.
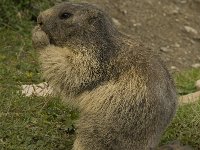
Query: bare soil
pixel 171 27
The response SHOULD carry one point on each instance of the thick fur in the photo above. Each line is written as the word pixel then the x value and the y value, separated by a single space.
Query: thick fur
pixel 123 90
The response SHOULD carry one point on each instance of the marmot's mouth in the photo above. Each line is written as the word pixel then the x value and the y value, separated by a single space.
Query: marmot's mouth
pixel 51 41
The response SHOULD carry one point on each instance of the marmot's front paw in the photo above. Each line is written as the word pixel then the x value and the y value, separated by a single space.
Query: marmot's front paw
pixel 39 38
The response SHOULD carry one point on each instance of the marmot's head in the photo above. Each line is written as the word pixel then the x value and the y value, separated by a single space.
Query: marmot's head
pixel 72 23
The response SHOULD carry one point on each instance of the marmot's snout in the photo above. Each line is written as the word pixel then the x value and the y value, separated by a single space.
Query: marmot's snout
pixel 44 17
pixel 40 20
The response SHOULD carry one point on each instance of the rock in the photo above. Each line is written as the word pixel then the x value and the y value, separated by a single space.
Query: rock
pixel 197 65
pixel 177 45
pixel 197 84
pixel 173 67
pixel 165 49
pixel 182 1
pixel 190 30
pixel 124 12
pixel 173 10
pixel 116 22
pixel 41 89
pixel 137 24
pixel 177 20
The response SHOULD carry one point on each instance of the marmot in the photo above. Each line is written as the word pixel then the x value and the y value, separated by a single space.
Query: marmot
pixel 124 92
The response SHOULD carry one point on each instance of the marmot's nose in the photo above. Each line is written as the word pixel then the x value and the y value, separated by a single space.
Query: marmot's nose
pixel 40 20
pixel 44 17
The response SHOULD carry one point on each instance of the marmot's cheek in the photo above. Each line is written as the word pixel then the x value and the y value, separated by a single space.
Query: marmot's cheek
pixel 39 38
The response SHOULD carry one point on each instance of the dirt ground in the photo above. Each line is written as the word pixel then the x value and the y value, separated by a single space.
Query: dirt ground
pixel 171 27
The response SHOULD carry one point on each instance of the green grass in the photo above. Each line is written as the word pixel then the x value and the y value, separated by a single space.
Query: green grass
pixel 28 122
pixel 35 123
pixel 186 124
pixel 45 122
pixel 185 81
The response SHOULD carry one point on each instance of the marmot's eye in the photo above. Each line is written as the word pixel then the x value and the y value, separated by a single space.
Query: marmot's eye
pixel 65 15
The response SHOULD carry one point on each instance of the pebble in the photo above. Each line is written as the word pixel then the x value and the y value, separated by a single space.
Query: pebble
pixel 182 1
pixel 173 10
pixel 190 30
pixel 177 45
pixel 173 67
pixel 124 12
pixel 116 22
pixel 165 49
pixel 197 65
pixel 137 24
pixel 197 84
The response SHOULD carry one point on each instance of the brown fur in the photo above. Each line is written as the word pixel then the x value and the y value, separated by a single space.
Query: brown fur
pixel 124 92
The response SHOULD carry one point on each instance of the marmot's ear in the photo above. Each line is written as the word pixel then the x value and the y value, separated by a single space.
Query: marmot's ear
pixel 94 17
pixel 92 20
